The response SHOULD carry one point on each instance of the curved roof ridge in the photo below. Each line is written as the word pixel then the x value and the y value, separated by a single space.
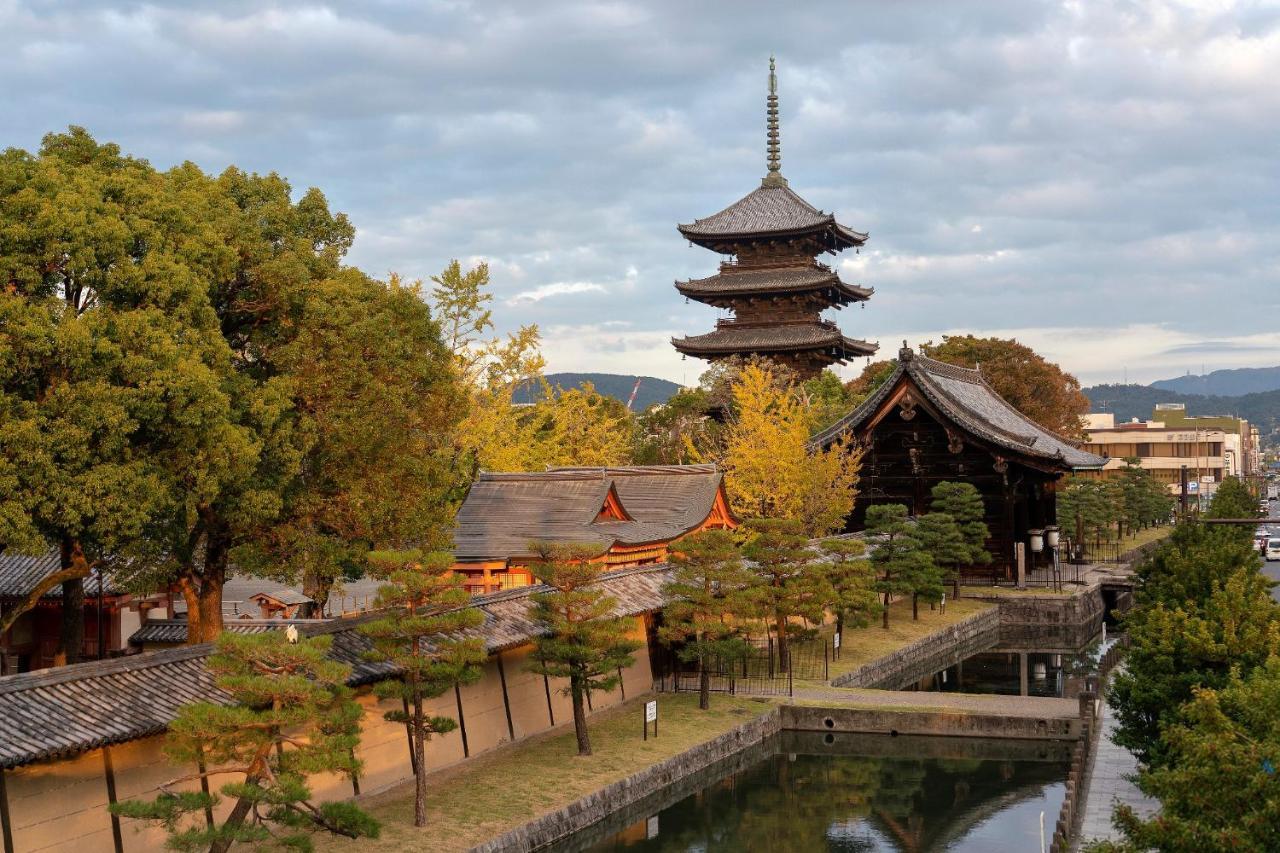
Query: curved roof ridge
pixel 955 371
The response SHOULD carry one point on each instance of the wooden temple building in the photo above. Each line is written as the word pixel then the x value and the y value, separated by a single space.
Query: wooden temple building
pixel 932 421
pixel 772 281
pixel 631 514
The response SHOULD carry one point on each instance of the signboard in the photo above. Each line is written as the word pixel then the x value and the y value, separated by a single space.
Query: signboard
pixel 836 640
pixel 651 711
pixel 651 827
pixel 1193 487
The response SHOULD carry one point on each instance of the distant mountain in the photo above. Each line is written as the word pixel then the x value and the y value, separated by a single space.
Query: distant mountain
pixel 1225 383
pixel 1137 401
pixel 652 390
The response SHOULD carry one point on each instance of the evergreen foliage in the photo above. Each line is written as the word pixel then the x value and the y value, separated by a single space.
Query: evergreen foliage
pixel 584 642
pixel 963 502
pixel 792 581
pixel 902 565
pixel 852 583
pixel 425 610
pixel 291 716
pixel 709 594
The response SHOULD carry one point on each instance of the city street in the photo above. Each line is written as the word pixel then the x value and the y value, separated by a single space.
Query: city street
pixel 1272 569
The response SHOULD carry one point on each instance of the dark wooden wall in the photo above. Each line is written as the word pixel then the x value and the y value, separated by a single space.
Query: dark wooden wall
pixel 905 459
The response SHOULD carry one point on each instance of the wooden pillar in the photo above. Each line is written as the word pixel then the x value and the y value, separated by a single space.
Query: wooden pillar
pixel 462 721
pixel 1022 673
pixel 110 774
pixel 6 825
pixel 506 700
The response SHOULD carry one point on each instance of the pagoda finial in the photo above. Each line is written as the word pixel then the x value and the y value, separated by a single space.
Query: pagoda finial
pixel 774 176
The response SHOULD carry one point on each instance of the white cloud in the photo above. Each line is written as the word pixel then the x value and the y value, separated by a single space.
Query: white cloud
pixel 559 288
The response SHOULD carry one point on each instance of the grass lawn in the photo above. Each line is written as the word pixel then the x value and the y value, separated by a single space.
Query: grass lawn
pixel 863 645
pixel 503 789
pixel 1151 534
pixel 1046 591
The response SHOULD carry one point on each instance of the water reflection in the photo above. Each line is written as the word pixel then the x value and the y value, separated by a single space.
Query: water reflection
pixel 1054 673
pixel 848 802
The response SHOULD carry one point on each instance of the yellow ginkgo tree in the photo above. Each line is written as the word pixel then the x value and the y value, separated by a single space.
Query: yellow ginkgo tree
pixel 770 469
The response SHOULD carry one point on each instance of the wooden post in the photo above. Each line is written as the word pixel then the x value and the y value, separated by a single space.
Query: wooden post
pixel 506 701
pixel 6 827
pixel 110 773
pixel 462 722
pixel 1020 557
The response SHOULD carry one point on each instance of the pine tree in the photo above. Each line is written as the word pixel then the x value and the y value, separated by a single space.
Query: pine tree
pixel 584 641
pixel 963 502
pixel 793 582
pixel 291 716
pixel 900 561
pixel 419 633
pixel 944 542
pixel 852 583
pixel 710 587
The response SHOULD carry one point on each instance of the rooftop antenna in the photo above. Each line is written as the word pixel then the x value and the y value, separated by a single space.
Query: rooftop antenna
pixel 774 176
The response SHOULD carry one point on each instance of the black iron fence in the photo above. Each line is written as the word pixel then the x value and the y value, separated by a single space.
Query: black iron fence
pixel 760 671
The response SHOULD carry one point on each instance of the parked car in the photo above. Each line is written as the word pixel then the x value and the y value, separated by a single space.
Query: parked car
pixel 1273 549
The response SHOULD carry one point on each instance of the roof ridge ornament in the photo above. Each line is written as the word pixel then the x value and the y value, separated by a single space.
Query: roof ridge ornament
pixel 905 354
pixel 774 176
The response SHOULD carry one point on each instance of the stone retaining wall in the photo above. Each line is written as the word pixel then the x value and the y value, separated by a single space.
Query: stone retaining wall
pixel 648 782
pixel 928 654
pixel 905 721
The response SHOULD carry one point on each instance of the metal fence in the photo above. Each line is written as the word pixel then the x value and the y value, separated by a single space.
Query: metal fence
pixel 759 672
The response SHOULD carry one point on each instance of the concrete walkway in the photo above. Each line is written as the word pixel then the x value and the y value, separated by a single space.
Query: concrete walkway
pixel 1110 770
pixel 1037 707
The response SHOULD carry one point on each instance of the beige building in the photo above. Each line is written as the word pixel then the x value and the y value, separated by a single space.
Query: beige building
pixel 1208 453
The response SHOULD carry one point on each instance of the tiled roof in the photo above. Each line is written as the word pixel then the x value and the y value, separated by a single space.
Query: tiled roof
pixel 736 337
pixel 771 210
pixel 60 712
pixel 175 630
pixel 503 513
pixel 964 396
pixel 733 281
pixel 19 574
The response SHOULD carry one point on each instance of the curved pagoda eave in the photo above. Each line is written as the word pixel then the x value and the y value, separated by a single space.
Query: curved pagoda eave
pixel 726 289
pixel 727 341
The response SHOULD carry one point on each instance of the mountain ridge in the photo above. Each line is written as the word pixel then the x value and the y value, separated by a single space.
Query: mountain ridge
pixel 1230 382
pixel 616 385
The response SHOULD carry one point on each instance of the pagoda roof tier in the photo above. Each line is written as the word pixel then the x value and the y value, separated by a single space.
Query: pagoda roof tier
pixel 734 281
pixel 772 210
pixel 736 338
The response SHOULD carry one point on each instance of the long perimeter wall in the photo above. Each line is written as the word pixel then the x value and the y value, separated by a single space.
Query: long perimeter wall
pixel 62 805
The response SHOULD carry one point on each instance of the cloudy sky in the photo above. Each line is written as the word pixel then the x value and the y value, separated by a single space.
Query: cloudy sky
pixel 1098 179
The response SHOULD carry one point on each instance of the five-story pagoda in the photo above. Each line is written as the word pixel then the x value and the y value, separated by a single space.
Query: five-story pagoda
pixel 773 282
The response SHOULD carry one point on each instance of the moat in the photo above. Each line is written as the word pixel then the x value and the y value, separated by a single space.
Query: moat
pixel 852 792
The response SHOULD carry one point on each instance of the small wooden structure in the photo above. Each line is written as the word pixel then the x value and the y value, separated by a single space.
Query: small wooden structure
pixel 283 603
pixel 773 283
pixel 632 514
pixel 931 421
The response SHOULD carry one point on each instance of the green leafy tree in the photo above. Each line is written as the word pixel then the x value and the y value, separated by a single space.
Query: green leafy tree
pixel 852 583
pixel 1216 788
pixel 110 358
pixel 1178 648
pixel 710 588
pixel 584 641
pixel 792 582
pixel 902 565
pixel 944 542
pixel 421 632
pixel 1087 508
pixel 963 502
pixel 291 716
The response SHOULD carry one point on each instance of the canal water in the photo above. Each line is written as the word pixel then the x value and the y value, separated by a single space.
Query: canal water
pixel 854 792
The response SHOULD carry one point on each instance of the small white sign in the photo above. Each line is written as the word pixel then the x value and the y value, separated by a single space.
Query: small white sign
pixel 651 827
pixel 836 639
pixel 651 711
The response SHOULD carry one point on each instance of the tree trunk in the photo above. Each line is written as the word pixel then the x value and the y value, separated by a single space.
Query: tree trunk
pixel 915 607
pixel 784 647
pixel 317 588
pixel 704 685
pixel 187 586
pixel 580 717
pixel 71 635
pixel 419 750
pixel 212 579
pixel 884 613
